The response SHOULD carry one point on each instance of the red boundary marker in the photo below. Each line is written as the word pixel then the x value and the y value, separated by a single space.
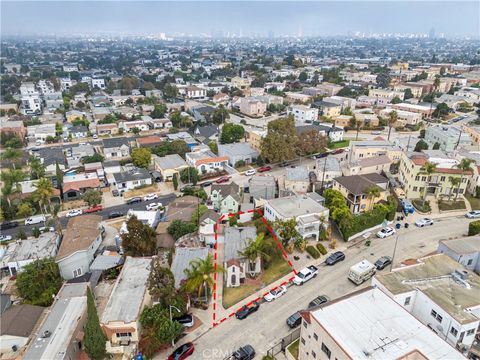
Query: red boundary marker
pixel 216 322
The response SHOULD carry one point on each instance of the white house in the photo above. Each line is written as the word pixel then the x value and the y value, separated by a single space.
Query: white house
pixel 205 161
pixel 131 179
pixel 150 218
pixel 303 114
pixel 115 148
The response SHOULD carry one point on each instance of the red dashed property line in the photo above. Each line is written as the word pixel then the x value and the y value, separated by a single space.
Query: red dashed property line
pixel 215 297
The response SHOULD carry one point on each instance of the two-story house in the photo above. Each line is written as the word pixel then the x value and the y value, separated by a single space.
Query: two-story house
pixel 225 198
pixel 116 148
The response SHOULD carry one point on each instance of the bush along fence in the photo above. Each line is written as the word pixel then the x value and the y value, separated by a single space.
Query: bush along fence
pixel 474 228
pixel 349 224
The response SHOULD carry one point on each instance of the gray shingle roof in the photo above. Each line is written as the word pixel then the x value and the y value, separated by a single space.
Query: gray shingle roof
pixel 137 174
pixel 236 240
pixel 115 142
pixel 182 259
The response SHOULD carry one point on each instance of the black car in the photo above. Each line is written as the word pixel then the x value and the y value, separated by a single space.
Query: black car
pixel 247 310
pixel 384 261
pixel 134 200
pixel 246 352
pixel 115 214
pixel 335 257
pixel 115 193
pixel 319 300
pixel 294 320
pixel 186 320
pixel 206 184
pixel 8 225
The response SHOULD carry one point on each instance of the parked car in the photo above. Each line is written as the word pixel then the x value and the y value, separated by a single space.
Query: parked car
pixel 244 353
pixel 73 213
pixel 182 352
pixel 264 168
pixel 361 272
pixel 338 151
pixel 36 219
pixel 335 257
pixel 424 222
pixel 223 179
pixel 473 214
pixel 186 320
pixel 250 172
pixel 115 193
pixel 154 206
pixel 294 320
pixel 5 237
pixel 383 262
pixel 319 300
pixel 115 214
pixel 275 293
pixel 150 197
pixel 44 229
pixel 245 310
pixel 134 200
pixel 8 225
pixel 93 209
pixel 205 184
pixel 305 274
pixel 385 232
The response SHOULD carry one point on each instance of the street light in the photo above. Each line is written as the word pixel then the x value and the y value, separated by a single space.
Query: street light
pixel 394 251
pixel 171 319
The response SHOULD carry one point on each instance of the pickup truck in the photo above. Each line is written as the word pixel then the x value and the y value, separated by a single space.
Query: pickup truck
pixel 305 274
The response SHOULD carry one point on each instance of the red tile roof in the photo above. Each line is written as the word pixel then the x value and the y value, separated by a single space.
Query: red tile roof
pixel 210 160
pixel 81 184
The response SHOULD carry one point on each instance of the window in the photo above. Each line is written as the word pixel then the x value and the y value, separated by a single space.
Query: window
pixel 305 324
pixel 453 331
pixel 470 332
pixel 470 261
pixel 407 301
pixel 315 336
pixel 439 318
pixel 314 355
pixel 424 178
pixel 77 272
pixel 326 350
pixel 128 334
pixel 433 313
pixel 442 178
pixel 303 341
pixel 415 188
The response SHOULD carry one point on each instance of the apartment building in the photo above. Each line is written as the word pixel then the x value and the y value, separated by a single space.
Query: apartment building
pixel 403 117
pixel 253 107
pixel 374 148
pixel 303 114
pixel 448 137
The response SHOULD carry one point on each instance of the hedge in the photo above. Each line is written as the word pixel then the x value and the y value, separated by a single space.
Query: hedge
pixel 322 249
pixel 474 228
pixel 392 208
pixel 353 225
pixel 313 252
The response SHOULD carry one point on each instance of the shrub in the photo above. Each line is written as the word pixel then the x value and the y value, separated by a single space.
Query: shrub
pixel 354 225
pixel 474 228
pixel 322 249
pixel 392 208
pixel 313 252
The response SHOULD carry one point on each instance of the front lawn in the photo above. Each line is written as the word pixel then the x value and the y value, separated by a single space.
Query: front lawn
pixel 293 348
pixel 339 144
pixel 277 269
pixel 231 296
pixel 474 202
pixel 451 205
pixel 421 206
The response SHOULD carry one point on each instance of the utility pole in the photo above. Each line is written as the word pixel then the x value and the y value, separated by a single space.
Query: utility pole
pixel 323 175
pixel 408 144
pixel 458 141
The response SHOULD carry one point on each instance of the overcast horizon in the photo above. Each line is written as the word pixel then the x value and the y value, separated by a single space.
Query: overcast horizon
pixel 267 18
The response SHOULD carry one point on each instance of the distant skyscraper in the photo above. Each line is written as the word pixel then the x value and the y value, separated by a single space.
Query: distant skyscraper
pixel 431 34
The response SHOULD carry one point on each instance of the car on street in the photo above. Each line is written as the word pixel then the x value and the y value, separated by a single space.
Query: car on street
pixel 186 320
pixel 115 214
pixel 182 352
pixel 5 237
pixel 93 209
pixel 305 274
pixel 385 232
pixel 8 225
pixel 264 168
pixel 473 214
pixel 150 197
pixel 154 206
pixel 74 212
pixel 246 352
pixel 294 320
pixel 335 257
pixel 246 310
pixel 205 184
pixel 115 193
pixel 223 179
pixel 275 293
pixel 383 262
pixel 44 229
pixel 134 200
pixel 250 172
pixel 424 222
pixel 319 300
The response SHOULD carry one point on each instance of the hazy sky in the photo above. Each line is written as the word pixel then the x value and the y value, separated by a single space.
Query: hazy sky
pixel 280 17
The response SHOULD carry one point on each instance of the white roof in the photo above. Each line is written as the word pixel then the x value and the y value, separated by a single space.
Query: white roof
pixel 370 325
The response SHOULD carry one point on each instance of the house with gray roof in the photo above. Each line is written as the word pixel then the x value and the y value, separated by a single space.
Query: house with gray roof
pixel 182 261
pixel 169 165
pixel 131 179
pixel 238 152
pixel 115 148
pixel 50 156
pixel 262 187
pixel 206 133
pixel 225 198
pixel 297 179
pixel 327 169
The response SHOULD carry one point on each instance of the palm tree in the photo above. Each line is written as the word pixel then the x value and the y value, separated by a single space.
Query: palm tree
pixel 199 276
pixel 43 193
pixel 11 155
pixel 358 124
pixel 464 165
pixel 373 192
pixel 11 182
pixel 392 120
pixel 255 249
pixel 429 168
pixel 36 167
pixel 454 181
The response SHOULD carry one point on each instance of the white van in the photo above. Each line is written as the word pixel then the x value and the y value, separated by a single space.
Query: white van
pixel 361 272
pixel 36 219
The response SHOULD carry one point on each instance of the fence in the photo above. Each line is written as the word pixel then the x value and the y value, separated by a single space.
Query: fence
pixel 282 345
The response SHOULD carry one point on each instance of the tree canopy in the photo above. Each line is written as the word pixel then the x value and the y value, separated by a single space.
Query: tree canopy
pixel 280 142
pixel 231 133
pixel 140 240
pixel 141 157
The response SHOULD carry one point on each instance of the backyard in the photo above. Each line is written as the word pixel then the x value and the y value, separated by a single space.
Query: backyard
pixel 338 144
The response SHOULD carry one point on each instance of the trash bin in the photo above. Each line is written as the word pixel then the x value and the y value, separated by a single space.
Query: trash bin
pixel 398 226
pixel 406 225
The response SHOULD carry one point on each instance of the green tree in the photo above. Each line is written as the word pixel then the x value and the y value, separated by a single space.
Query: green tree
pixel 161 284
pixel 441 110
pixel 428 169
pixel 392 119
pixel 179 228
pixel 141 157
pixel 39 281
pixel 11 156
pixel 59 175
pixel 466 166
pixel 159 111
pixel 140 239
pixel 311 142
pixel 303 76
pixel 256 248
pixel 373 192
pixel 93 158
pixel 189 175
pixel 287 231
pixel 94 338
pixel 454 181
pixel 136 130
pixel 213 146
pixel 407 94
pixel 436 146
pixel 43 193
pixel 92 197
pixel 199 276
pixel 175 181
pixel 170 91
pixel 280 143
pixel 231 133
pixel 421 145
pixel 24 210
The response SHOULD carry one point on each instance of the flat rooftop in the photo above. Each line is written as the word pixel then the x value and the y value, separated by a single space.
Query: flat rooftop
pixel 432 276
pixel 364 332
pixel 31 249
pixel 127 295
pixel 296 205
pixel 465 245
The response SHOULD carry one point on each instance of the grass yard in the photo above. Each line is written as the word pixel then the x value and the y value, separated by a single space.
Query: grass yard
pixel 277 269
pixel 474 202
pixel 231 296
pixel 141 191
pixel 339 144
pixel 451 205
pixel 293 348
pixel 421 206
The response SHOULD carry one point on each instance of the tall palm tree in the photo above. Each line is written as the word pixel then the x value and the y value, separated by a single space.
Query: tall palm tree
pixel 373 192
pixel 43 193
pixel 37 169
pixel 199 276
pixel 393 117
pixel 358 124
pixel 11 182
pixel 464 165
pixel 255 249
pixel 11 155
pixel 454 181
pixel 428 169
